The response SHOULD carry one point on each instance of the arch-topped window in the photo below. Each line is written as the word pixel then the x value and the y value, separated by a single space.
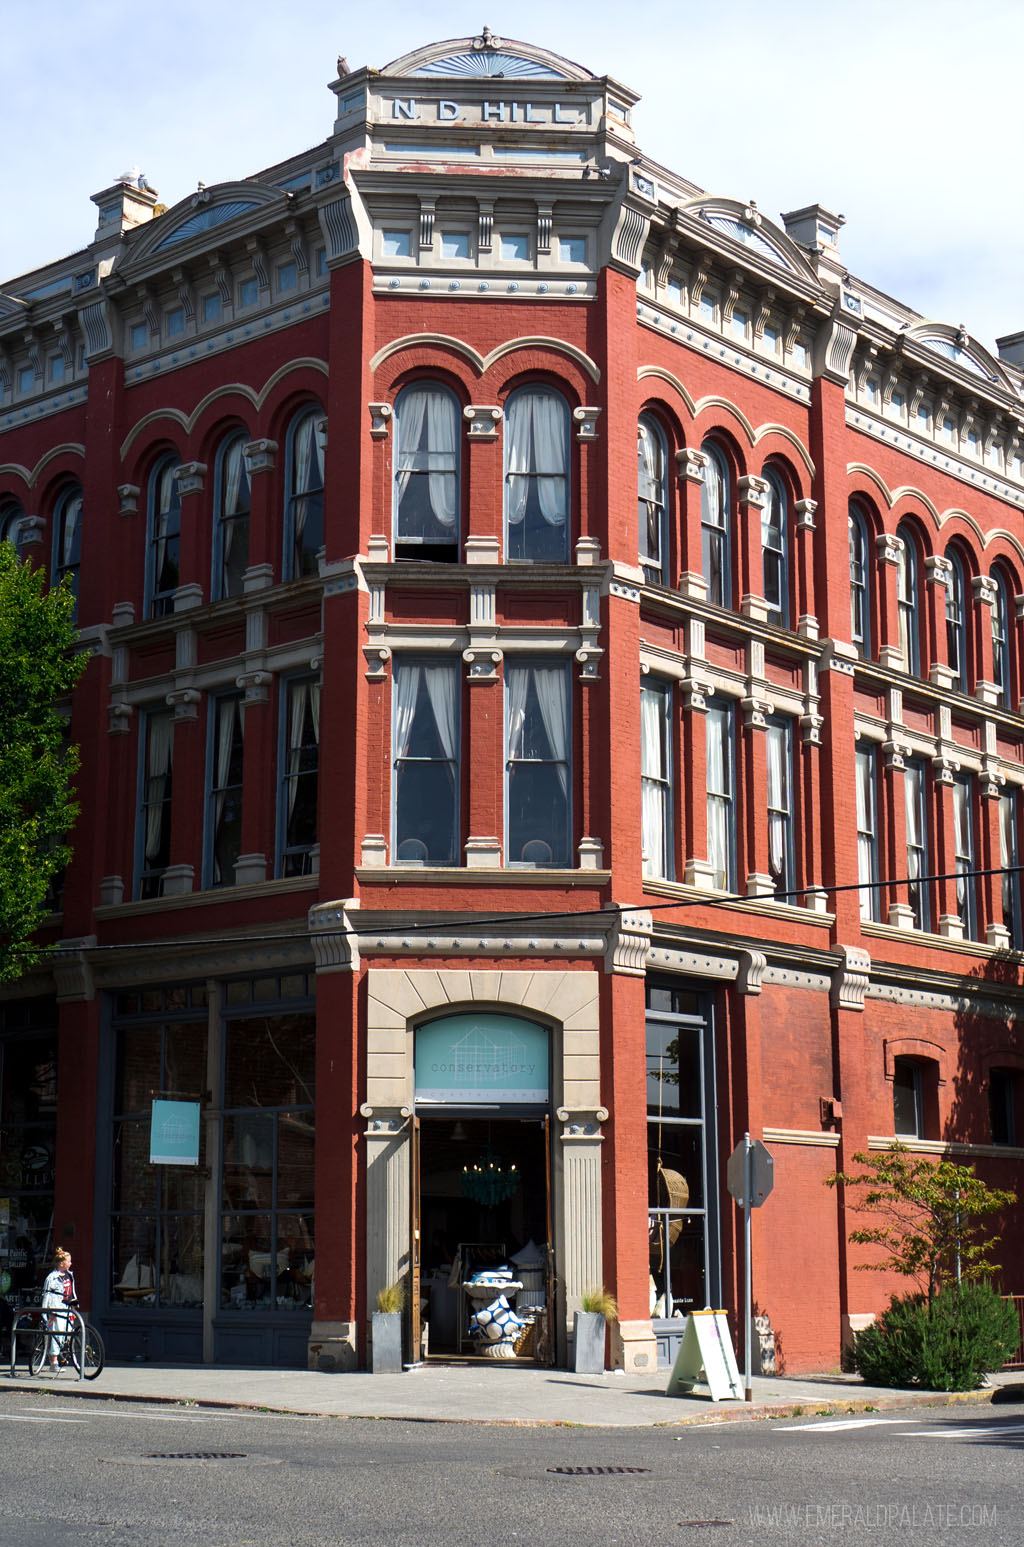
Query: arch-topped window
pixel 426 503
pixel 537 476
pixel 304 508
pixel 775 549
pixel 716 527
pixel 956 621
pixel 11 517
pixel 163 528
pixel 231 517
pixel 67 537
pixel 860 577
pixel 652 499
pixel 1002 656
pixel 908 597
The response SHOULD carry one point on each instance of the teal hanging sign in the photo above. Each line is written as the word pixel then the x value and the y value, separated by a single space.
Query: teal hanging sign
pixel 467 1060
pixel 174 1133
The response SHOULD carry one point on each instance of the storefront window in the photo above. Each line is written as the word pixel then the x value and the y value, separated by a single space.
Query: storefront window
pixel 681 1153
pixel 266 1228
pixel 157 1210
pixel 28 1131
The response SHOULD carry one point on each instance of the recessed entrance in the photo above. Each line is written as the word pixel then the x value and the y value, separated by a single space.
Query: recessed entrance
pixel 483 1199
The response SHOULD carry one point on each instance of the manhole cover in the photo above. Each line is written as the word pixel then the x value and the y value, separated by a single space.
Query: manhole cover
pixel 599 1471
pixel 195 1455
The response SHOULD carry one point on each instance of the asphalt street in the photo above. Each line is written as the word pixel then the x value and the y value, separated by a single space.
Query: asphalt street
pixel 110 1473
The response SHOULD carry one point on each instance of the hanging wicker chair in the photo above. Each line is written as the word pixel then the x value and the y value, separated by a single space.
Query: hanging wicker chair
pixel 677 1196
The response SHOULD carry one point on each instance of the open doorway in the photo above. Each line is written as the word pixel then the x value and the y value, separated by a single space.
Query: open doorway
pixel 483 1205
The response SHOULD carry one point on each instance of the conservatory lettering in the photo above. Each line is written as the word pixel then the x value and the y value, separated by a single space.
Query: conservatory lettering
pixel 468 1059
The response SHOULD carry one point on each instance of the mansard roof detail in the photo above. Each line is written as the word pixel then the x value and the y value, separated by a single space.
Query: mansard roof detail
pixel 743 222
pixel 956 346
pixel 205 211
pixel 487 57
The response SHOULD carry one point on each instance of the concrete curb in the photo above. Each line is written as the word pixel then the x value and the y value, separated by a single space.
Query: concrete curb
pixel 815 1407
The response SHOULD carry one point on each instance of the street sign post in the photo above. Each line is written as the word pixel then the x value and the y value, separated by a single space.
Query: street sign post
pixel 750 1177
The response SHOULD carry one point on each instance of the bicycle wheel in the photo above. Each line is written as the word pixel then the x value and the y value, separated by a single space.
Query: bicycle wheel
pixel 94 1352
pixel 37 1353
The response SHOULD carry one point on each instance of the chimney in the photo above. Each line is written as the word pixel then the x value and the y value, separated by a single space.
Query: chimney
pixel 127 203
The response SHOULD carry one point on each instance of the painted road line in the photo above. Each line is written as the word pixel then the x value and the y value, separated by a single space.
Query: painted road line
pixel 835 1426
pixel 25 1418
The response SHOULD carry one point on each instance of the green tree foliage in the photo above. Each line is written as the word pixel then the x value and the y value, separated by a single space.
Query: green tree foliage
pixel 929 1217
pixel 37 669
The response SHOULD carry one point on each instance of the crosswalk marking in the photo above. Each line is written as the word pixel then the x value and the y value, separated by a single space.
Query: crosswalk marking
pixel 964 1434
pixel 836 1425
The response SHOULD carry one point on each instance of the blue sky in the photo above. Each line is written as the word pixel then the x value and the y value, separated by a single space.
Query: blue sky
pixel 901 114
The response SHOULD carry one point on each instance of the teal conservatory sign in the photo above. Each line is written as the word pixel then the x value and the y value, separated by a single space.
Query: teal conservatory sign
pixel 481 1059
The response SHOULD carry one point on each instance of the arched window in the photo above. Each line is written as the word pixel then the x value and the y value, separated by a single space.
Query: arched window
pixel 860 589
pixel 652 499
pixel 537 476
pixel 775 549
pixel 304 509
pixel 956 626
pixel 426 506
pixel 67 537
pixel 11 517
pixel 908 599
pixel 716 527
pixel 231 517
pixel 163 528
pixel 1001 635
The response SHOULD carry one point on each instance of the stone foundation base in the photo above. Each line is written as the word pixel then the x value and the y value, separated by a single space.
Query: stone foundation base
pixel 853 1322
pixel 332 1347
pixel 634 1347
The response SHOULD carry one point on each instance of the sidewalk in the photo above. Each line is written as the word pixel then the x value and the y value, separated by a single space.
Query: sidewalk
pixel 482 1394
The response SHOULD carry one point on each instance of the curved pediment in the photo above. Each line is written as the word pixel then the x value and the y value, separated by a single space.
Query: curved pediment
pixel 205 210
pixel 956 345
pixel 487 56
pixel 743 223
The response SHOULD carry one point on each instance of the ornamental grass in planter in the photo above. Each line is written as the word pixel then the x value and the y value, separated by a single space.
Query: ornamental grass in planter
pixel 597 1308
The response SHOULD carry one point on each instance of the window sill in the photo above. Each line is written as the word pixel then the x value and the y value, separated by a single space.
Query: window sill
pixel 453 875
pixel 763 907
pixel 923 939
pixel 221 894
pixel 947 1147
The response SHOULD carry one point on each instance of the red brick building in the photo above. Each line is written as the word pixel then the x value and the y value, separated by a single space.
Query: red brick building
pixel 553 708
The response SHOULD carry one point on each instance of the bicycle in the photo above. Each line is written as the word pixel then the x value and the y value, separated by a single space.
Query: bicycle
pixel 67 1341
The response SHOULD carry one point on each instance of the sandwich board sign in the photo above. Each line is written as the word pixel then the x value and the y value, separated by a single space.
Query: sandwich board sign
pixel 706 1357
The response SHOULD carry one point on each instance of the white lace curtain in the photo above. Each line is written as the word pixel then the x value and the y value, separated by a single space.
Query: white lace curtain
pixel 441 683
pixel 777 748
pixel 303 694
pixel 865 830
pixel 549 686
pixel 650 490
pixel 166 516
pixel 236 496
pixel 159 743
pixel 963 846
pixel 536 454
pixel 230 713
pixel 307 470
pixel 427 439
pixel 718 766
pixel 71 525
pixel 653 781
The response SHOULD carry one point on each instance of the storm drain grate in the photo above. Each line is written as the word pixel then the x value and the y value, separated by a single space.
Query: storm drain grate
pixel 598 1471
pixel 195 1455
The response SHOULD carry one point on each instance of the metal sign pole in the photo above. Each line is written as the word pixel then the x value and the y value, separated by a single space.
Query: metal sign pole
pixel 748 1190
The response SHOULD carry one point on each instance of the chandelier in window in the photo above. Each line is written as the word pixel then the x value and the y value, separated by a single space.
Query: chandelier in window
pixel 489 1180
